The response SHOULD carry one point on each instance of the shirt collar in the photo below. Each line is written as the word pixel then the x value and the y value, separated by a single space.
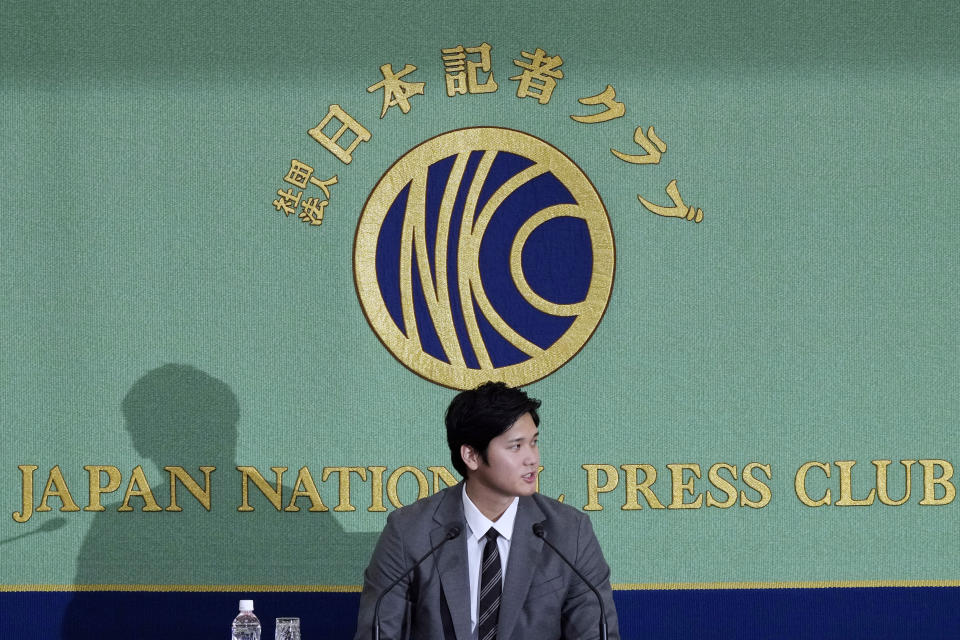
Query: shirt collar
pixel 479 524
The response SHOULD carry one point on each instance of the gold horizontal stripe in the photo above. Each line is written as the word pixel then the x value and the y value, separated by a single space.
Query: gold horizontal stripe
pixel 653 586
pixel 817 584
pixel 250 588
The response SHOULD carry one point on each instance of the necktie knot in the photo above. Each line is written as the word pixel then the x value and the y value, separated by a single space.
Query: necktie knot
pixel 492 534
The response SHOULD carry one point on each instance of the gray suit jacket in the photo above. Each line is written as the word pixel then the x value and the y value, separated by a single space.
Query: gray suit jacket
pixel 542 598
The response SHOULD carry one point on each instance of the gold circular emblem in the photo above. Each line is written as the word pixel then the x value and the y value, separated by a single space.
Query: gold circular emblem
pixel 484 254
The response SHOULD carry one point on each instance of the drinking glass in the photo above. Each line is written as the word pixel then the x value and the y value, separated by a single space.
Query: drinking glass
pixel 288 629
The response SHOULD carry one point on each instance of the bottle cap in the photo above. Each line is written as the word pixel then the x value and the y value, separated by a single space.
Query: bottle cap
pixel 246 605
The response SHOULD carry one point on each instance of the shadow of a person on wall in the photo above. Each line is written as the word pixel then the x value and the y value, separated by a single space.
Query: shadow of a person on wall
pixel 177 415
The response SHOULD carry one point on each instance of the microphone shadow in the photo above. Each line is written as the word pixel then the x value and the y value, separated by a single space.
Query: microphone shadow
pixel 48 525
pixel 161 573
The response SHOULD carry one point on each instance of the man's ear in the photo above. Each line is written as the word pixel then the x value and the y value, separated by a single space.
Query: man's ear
pixel 470 457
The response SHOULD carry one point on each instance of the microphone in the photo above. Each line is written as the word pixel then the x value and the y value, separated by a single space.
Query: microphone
pixel 452 532
pixel 539 531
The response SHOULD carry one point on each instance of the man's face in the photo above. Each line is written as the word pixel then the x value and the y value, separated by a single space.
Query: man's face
pixel 512 461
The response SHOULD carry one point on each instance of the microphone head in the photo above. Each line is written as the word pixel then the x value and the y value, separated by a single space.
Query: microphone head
pixel 453 532
pixel 538 529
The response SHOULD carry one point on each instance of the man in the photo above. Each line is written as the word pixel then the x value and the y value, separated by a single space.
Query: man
pixel 495 579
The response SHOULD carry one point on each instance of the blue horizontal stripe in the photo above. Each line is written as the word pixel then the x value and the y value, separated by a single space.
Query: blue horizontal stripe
pixel 848 612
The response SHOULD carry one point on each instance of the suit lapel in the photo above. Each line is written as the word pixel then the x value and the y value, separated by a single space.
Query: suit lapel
pixel 525 551
pixel 451 559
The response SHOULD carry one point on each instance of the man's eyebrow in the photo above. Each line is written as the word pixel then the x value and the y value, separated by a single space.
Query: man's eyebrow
pixel 519 438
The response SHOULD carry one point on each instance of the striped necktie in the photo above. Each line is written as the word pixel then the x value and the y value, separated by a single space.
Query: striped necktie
pixel 490 587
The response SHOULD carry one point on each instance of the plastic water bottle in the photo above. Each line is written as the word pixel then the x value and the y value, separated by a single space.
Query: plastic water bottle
pixel 246 626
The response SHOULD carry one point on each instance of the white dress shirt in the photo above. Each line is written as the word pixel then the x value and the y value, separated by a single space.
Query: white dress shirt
pixel 477 527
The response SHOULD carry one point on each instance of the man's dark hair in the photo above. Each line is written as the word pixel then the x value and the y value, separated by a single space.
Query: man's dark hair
pixel 477 416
